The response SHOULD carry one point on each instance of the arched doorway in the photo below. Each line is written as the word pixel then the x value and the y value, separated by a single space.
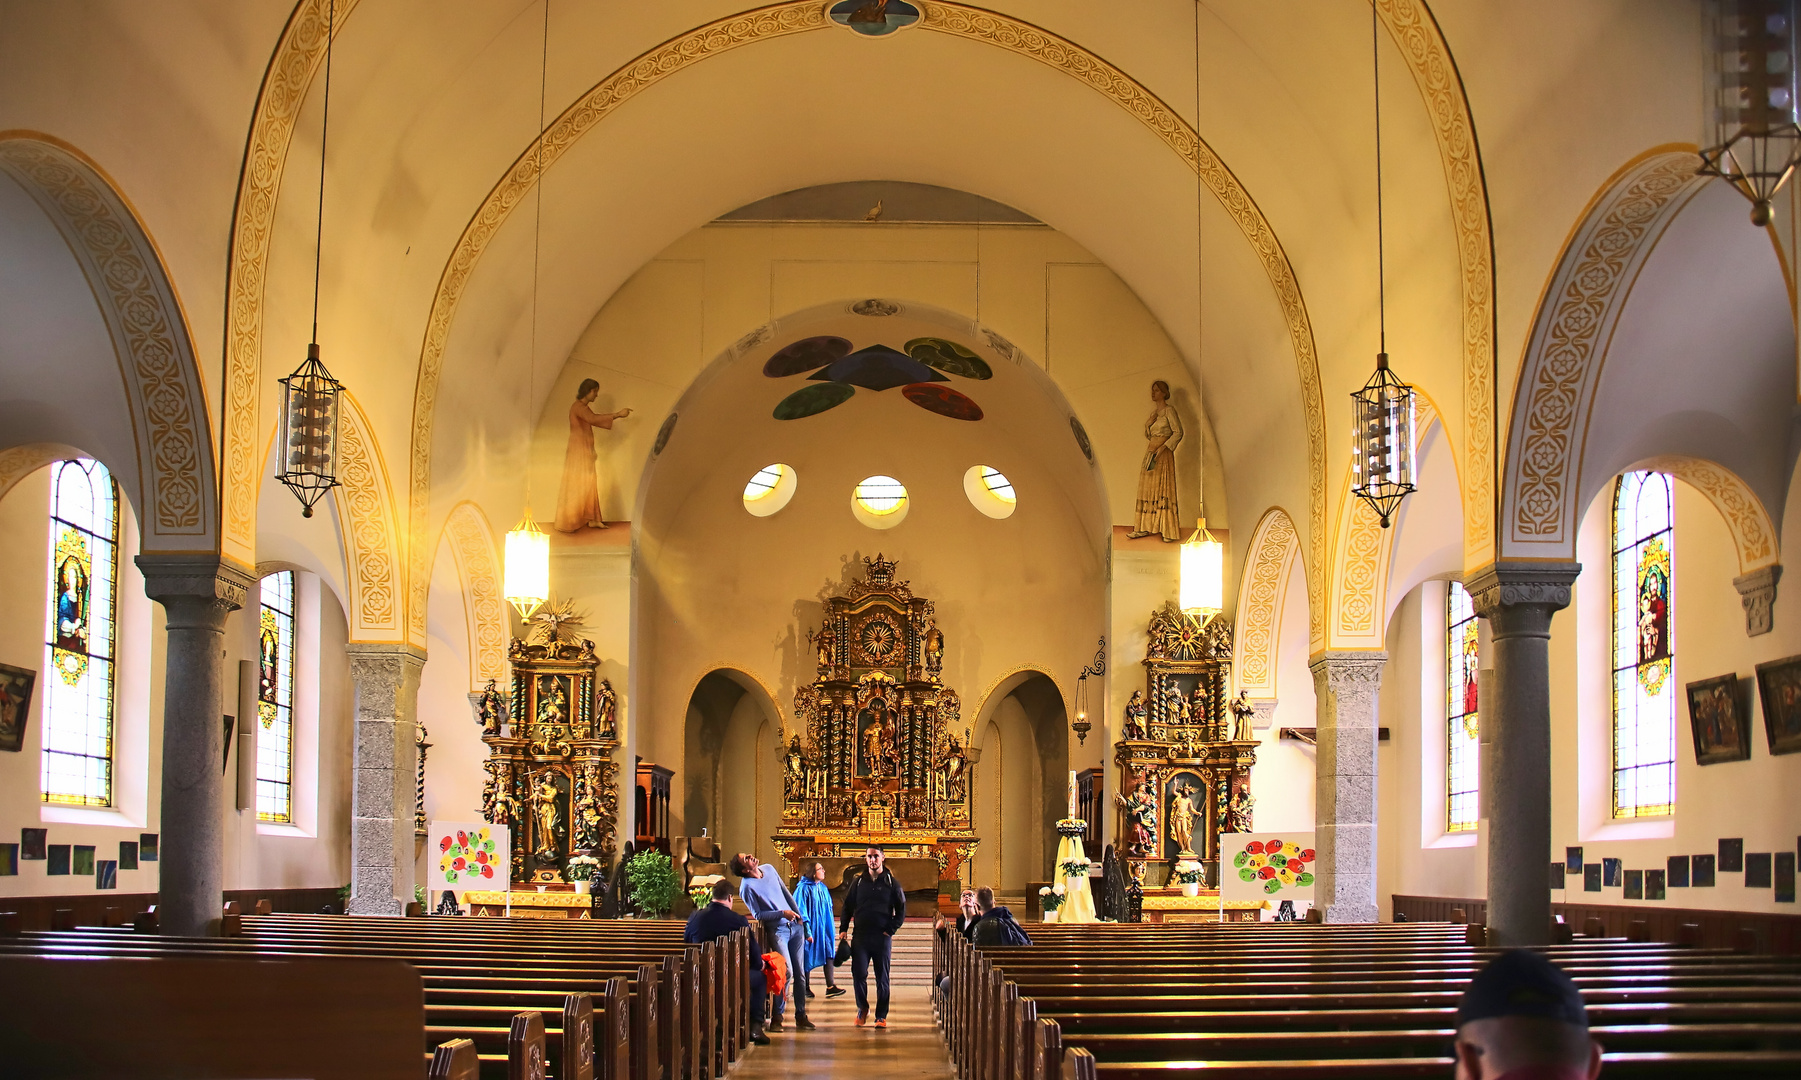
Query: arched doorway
pixel 1021 784
pixel 731 783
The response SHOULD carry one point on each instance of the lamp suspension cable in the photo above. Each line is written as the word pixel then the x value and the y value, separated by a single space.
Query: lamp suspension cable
pixel 531 365
pixel 331 13
pixel 1381 254
pixel 1200 587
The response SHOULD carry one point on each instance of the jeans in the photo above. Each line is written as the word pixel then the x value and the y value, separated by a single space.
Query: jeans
pixel 791 942
pixel 862 950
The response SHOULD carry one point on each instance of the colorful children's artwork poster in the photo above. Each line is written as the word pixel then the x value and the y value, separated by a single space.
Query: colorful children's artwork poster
pixel 469 856
pixel 1272 867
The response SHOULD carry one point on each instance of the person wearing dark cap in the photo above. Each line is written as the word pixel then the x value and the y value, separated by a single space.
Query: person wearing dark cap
pixel 1521 1018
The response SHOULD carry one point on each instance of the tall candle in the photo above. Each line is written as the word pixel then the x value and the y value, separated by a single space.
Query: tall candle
pixel 1072 794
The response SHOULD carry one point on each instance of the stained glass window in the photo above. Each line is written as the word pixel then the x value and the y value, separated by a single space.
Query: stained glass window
pixel 275 700
pixel 78 637
pixel 1460 711
pixel 1644 690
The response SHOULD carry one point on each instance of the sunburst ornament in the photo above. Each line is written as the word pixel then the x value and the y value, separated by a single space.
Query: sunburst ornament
pixel 556 622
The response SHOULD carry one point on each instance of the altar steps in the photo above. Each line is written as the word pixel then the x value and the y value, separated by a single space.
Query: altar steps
pixel 910 964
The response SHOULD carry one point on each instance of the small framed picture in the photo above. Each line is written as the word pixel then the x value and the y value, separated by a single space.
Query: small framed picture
pixel 147 846
pixel 1701 871
pixel 15 705
pixel 33 843
pixel 106 874
pixel 1572 860
pixel 1779 687
pixel 1785 877
pixel 1732 855
pixel 1757 870
pixel 128 854
pixel 84 859
pixel 1557 871
pixel 1678 871
pixel 58 865
pixel 1635 885
pixel 9 860
pixel 1591 877
pixel 1654 885
pixel 1720 723
pixel 1610 872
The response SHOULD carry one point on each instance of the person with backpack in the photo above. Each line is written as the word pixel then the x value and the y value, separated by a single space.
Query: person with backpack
pixel 877 906
pixel 997 926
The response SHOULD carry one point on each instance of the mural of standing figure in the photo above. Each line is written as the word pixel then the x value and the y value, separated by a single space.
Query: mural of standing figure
pixel 578 496
pixel 1157 510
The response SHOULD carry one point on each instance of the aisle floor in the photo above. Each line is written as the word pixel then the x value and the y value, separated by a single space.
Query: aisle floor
pixel 908 1048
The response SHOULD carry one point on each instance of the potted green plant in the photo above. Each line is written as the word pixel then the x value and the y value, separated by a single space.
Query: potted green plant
pixel 581 872
pixel 1050 898
pixel 652 883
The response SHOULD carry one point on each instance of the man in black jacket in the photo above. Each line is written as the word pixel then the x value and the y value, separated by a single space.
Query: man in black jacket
pixel 718 920
pixel 876 907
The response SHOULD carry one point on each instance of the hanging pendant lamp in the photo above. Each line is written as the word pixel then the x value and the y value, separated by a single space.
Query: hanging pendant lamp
pixel 1750 112
pixel 525 581
pixel 1383 470
pixel 307 451
pixel 1203 586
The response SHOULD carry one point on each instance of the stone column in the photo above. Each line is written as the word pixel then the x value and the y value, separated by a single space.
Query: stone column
pixel 1346 685
pixel 196 592
pixel 1518 600
pixel 386 681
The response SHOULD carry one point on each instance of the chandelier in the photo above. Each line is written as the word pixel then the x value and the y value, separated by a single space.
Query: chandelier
pixel 1753 141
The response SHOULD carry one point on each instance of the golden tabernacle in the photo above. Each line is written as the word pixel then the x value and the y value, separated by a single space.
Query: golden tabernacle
pixel 1185 761
pixel 881 755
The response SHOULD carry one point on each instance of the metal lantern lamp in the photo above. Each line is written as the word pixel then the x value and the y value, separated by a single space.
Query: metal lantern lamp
pixel 1383 470
pixel 526 578
pixel 1753 140
pixel 309 431
pixel 1098 667
pixel 1203 584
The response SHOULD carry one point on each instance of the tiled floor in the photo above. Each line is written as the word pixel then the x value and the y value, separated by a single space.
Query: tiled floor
pixel 908 1048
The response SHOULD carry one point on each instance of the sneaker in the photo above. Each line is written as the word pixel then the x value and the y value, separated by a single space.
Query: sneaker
pixel 881 1022
pixel 759 1038
pixel 774 1025
pixel 810 992
pixel 803 1024
pixel 862 1018
pixel 834 991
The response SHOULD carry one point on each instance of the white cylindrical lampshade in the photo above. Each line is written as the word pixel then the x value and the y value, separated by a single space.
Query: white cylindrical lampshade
pixel 527 575
pixel 1203 586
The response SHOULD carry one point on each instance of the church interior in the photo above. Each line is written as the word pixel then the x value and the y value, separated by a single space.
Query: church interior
pixel 739 472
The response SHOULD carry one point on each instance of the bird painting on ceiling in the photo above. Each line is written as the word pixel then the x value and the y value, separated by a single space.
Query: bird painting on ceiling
pixel 922 369
pixel 873 18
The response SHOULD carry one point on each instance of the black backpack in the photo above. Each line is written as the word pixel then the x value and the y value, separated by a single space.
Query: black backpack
pixel 1011 934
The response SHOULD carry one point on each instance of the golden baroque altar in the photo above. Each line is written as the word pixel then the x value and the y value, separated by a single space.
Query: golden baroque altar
pixel 881 755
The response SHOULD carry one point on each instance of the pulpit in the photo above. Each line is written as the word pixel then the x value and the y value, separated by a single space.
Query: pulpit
pixel 879 756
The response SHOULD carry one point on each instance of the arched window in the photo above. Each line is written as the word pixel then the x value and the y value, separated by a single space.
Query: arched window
pixel 1460 711
pixel 1644 693
pixel 78 639
pixel 275 700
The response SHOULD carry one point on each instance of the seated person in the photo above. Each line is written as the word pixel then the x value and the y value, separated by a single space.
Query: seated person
pixel 718 920
pixel 967 914
pixel 1522 1019
pixel 997 925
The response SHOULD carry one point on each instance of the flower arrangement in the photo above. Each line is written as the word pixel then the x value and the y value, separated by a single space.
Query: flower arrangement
pixel 700 895
pixel 1074 867
pixel 1051 897
pixel 1188 877
pixel 1070 826
pixel 581 868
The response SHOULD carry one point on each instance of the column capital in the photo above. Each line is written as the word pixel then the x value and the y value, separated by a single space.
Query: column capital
pixel 1757 591
pixel 170 579
pixel 1539 589
pixel 1348 670
pixel 374 654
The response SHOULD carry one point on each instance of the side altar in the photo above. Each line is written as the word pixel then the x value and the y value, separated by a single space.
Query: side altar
pixel 880 758
pixel 1185 759
pixel 551 774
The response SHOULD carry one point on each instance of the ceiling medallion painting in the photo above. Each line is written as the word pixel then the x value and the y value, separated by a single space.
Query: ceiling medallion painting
pixel 922 369
pixel 873 18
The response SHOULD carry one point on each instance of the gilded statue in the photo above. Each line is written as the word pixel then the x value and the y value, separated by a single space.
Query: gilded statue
pixel 1181 818
pixel 794 770
pixel 953 768
pixel 1238 818
pixel 1134 726
pixel 547 815
pixel 878 740
pixel 606 707
pixel 1197 705
pixel 1140 807
pixel 934 648
pixel 554 706
pixel 822 641
pixel 1174 706
pixel 490 710
pixel 1242 715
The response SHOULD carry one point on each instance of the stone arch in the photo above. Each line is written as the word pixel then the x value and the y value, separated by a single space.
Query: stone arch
pixel 1269 558
pixel 1362 552
pixel 177 504
pixel 18 462
pixel 730 726
pixel 1754 535
pixel 1577 315
pixel 799 16
pixel 373 566
pixel 471 540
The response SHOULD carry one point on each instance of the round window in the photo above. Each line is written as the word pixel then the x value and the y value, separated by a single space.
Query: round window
pixel 880 502
pixel 990 491
pixel 770 489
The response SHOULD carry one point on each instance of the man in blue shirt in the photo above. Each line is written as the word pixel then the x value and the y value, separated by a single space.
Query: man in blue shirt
pixel 718 920
pixel 770 902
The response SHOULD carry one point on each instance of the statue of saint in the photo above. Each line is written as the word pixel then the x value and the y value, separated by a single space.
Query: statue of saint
pixel 553 705
pixel 953 766
pixel 1173 705
pixel 1141 810
pixel 794 770
pixel 1157 511
pixel 823 642
pixel 1197 705
pixel 1238 818
pixel 1242 714
pixel 877 737
pixel 578 496
pixel 934 648
pixel 1181 818
pixel 1134 726
pixel 606 706
pixel 490 709
pixel 546 815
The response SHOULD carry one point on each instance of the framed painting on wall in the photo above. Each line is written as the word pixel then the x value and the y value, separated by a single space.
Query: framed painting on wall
pixel 1757 870
pixel 1785 877
pixel 1678 871
pixel 1701 874
pixel 1719 721
pixel 1779 687
pixel 1635 885
pixel 15 705
pixel 1732 855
